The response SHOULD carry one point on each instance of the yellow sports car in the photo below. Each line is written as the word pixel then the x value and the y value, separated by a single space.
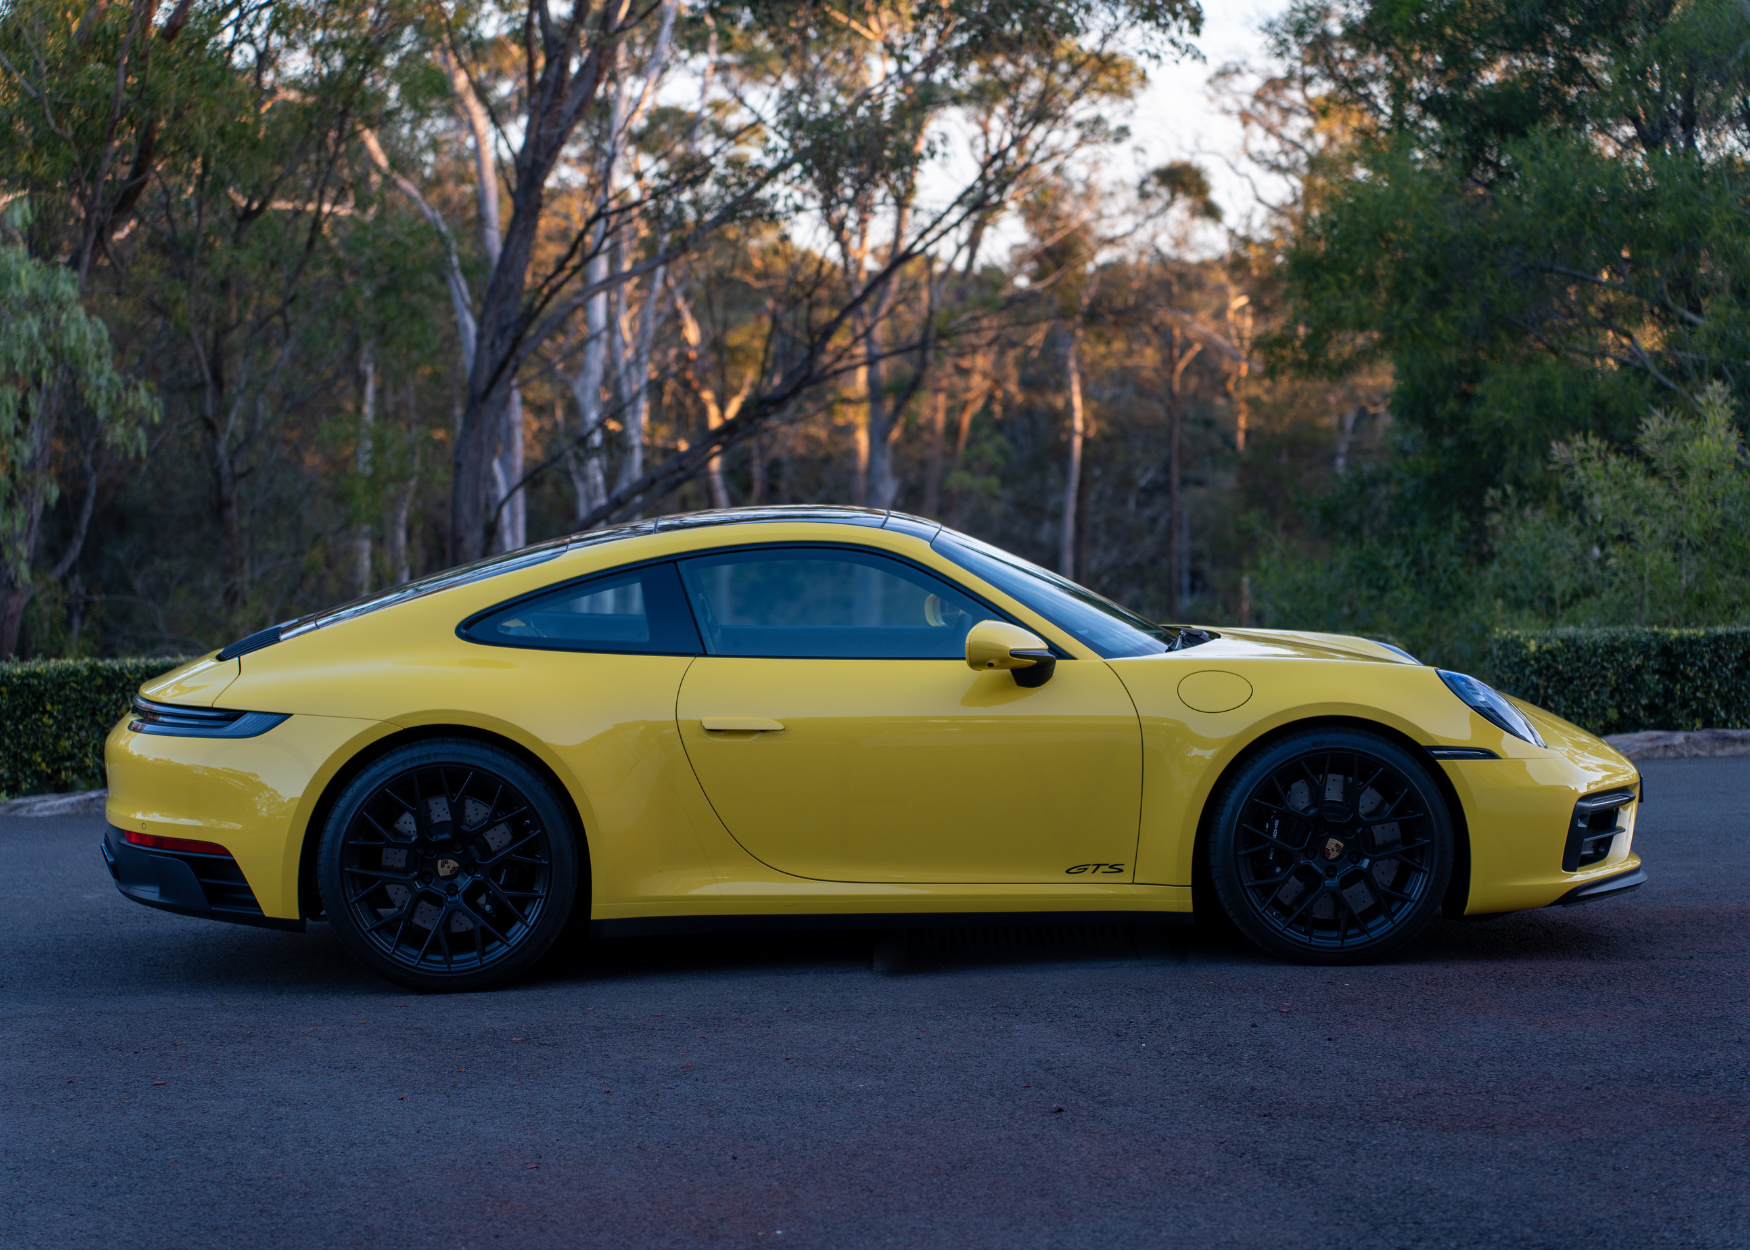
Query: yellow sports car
pixel 818 717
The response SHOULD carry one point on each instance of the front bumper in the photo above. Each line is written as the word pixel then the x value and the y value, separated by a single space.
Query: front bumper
pixel 209 886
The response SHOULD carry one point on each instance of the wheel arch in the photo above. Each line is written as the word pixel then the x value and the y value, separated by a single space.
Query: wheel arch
pixel 309 900
pixel 1203 901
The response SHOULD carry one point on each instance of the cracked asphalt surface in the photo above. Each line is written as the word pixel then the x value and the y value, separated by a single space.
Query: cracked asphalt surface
pixel 1571 1077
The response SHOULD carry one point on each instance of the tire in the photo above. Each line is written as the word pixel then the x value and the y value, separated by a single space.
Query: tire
pixel 435 903
pixel 1331 846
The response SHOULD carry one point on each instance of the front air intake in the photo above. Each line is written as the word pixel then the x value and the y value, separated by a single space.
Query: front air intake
pixel 1593 830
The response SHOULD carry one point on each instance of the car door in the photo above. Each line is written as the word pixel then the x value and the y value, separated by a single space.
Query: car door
pixel 839 733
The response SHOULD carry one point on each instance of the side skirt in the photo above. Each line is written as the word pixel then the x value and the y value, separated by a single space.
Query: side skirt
pixel 660 926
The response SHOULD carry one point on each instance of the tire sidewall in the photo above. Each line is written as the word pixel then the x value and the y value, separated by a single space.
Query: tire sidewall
pixel 1223 865
pixel 562 838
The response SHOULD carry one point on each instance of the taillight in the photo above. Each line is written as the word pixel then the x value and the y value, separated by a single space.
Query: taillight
pixel 186 845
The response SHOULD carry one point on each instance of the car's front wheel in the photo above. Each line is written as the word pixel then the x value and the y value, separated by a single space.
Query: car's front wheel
pixel 448 865
pixel 1331 846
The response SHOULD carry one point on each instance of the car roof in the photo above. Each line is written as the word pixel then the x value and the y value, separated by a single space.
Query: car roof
pixel 831 514
pixel 539 553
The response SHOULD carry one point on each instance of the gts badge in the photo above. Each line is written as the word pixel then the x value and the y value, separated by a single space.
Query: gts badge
pixel 1079 869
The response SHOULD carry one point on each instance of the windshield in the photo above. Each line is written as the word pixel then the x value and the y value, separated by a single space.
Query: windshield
pixel 1111 631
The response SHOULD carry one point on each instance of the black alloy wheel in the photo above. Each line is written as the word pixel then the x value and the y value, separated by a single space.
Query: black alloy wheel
pixel 1331 847
pixel 448 865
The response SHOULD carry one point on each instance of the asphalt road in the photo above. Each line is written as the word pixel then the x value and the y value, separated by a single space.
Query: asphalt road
pixel 1574 1077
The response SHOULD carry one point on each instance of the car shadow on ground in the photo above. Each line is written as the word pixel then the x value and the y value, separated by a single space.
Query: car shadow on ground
pixel 244 960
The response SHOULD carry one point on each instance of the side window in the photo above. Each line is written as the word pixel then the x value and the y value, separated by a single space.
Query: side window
pixel 638 611
pixel 823 602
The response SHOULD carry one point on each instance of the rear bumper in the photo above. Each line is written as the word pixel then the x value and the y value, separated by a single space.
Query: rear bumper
pixel 1607 887
pixel 209 886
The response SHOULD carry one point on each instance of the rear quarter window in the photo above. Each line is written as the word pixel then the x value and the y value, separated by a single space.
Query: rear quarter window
pixel 635 611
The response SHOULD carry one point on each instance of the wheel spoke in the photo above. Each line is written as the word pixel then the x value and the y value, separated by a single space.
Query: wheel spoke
pixel 508 905
pixel 485 924
pixel 511 849
pixel 406 910
pixel 443 932
pixel 1343 900
pixel 1272 841
pixel 1305 903
pixel 380 875
pixel 426 945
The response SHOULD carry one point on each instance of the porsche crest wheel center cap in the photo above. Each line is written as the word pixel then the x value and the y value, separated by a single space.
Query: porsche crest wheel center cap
pixel 449 867
pixel 1333 848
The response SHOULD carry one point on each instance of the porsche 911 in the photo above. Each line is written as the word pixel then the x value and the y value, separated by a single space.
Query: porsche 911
pixel 808 718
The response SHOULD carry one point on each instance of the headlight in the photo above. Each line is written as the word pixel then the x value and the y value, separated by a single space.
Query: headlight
pixel 1490 705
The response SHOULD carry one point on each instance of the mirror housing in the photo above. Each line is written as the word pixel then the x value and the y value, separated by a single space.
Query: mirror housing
pixel 1000 645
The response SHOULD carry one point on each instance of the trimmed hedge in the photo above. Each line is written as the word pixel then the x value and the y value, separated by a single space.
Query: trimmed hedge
pixel 1612 681
pixel 54 716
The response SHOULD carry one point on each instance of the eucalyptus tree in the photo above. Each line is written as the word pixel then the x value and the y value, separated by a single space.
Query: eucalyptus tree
pixel 52 354
pixel 832 121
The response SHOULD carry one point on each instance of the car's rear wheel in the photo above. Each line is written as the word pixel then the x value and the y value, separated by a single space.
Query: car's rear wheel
pixel 1331 846
pixel 448 865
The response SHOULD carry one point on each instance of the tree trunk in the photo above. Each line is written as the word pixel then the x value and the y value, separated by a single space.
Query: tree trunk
pixel 883 426
pixel 219 417
pixel 931 504
pixel 1178 545
pixel 564 80
pixel 975 397
pixel 1066 558
pixel 860 434
pixel 233 546
pixel 879 427
pixel 716 413
pixel 14 598
pixel 587 478
pixel 634 380
pixel 367 420
pixel 512 526
pixel 1239 327
pixel 18 541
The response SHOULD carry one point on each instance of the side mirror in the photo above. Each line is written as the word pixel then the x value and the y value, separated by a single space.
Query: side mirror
pixel 997 644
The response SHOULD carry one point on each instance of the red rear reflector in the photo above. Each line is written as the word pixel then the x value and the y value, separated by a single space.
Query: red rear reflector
pixel 174 844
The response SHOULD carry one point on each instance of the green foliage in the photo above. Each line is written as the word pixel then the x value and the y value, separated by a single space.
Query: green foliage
pixel 1623 680
pixel 1533 215
pixel 1424 595
pixel 57 714
pixel 1543 229
pixel 52 353
pixel 1661 537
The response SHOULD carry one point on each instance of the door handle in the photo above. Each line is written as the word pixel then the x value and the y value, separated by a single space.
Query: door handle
pixel 741 724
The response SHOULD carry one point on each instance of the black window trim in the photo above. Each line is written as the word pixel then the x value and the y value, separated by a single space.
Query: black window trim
pixel 724 549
